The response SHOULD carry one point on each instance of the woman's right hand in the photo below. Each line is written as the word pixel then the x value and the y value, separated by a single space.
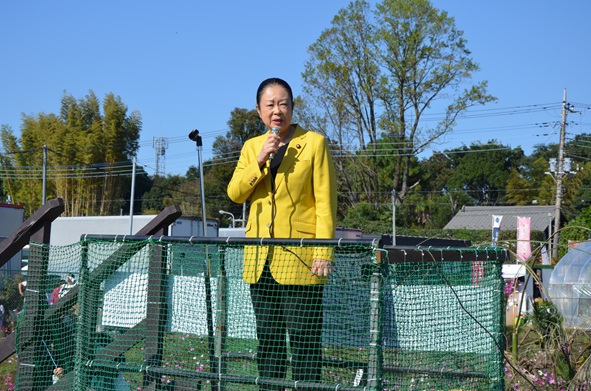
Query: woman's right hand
pixel 270 146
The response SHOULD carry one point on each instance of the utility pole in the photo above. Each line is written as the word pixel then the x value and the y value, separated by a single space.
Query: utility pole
pixel 132 196
pixel 393 217
pixel 44 185
pixel 566 107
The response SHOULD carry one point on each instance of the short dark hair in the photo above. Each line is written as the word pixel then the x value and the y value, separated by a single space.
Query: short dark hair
pixel 271 82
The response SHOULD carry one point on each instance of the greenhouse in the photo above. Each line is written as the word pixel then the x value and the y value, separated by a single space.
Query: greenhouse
pixel 570 287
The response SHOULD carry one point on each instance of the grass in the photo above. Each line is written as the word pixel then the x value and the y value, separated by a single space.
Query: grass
pixel 8 373
pixel 539 367
pixel 190 353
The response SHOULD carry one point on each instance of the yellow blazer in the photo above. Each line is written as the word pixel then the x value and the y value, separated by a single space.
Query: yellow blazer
pixel 305 206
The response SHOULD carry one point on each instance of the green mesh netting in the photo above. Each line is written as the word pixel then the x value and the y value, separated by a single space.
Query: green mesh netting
pixel 176 315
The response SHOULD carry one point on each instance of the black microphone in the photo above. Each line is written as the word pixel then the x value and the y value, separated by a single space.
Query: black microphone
pixel 274 131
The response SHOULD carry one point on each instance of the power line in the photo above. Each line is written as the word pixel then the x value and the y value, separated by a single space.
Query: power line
pixel 347 151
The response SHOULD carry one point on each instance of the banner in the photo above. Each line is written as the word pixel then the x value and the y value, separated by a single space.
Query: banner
pixel 523 244
pixel 545 256
pixel 496 223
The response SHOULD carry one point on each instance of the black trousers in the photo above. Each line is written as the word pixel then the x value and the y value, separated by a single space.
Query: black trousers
pixel 297 310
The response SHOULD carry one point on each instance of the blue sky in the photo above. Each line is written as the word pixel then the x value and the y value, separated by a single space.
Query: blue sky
pixel 188 64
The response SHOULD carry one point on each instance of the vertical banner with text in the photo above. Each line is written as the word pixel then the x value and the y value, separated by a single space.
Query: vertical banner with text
pixel 496 227
pixel 523 244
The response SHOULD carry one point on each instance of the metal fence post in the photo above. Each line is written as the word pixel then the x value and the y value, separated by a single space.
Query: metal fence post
pixel 374 371
pixel 221 319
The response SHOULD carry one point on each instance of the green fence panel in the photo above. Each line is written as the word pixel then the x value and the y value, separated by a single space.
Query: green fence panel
pixel 175 314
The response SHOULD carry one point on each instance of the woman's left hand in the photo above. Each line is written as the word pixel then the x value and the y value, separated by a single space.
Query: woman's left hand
pixel 58 372
pixel 321 267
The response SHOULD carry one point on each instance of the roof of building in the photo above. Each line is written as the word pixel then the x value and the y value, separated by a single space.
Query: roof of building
pixel 480 217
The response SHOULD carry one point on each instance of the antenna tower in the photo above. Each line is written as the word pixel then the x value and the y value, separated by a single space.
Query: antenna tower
pixel 160 145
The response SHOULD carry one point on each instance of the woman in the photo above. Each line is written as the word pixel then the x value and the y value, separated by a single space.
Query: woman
pixel 288 176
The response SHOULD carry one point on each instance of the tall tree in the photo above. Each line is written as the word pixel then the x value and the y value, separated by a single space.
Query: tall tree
pixel 426 59
pixel 535 182
pixel 243 124
pixel 166 191
pixel 87 152
pixel 484 169
pixel 443 200
pixel 578 180
pixel 383 75
pixel 8 159
pixel 342 79
pixel 529 184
